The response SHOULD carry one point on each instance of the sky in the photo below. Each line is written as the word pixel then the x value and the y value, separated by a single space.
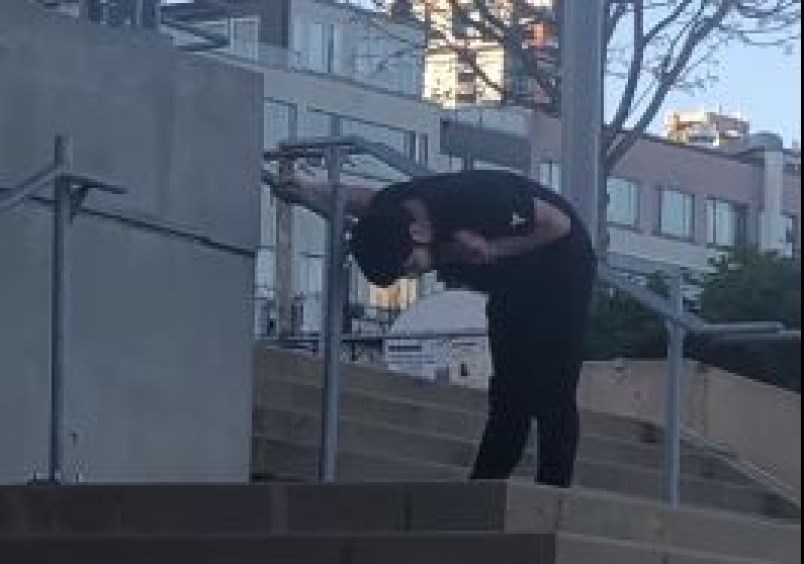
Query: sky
pixel 761 84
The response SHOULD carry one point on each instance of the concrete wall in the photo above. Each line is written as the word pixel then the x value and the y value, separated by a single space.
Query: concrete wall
pixel 760 422
pixel 158 375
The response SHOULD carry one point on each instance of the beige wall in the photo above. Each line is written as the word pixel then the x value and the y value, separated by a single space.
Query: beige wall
pixel 759 422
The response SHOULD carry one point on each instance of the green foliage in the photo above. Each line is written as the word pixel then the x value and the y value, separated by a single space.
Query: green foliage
pixel 620 327
pixel 744 286
pixel 753 286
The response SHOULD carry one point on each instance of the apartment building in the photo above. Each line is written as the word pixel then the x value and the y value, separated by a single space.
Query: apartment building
pixel 463 64
pixel 706 128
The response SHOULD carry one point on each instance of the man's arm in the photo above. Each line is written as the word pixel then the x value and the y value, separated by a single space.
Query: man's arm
pixel 472 248
pixel 316 196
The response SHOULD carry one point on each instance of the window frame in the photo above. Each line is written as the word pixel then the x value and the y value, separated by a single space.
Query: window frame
pixel 660 228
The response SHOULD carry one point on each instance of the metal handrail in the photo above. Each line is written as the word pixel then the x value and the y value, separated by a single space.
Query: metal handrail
pixel 688 321
pixel 69 190
pixel 11 196
pixel 209 39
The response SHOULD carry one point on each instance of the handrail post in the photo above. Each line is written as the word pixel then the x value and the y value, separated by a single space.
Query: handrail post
pixel 675 366
pixel 333 319
pixel 58 309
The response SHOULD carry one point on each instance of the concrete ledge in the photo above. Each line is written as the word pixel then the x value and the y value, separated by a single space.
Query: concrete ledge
pixel 400 548
pixel 362 509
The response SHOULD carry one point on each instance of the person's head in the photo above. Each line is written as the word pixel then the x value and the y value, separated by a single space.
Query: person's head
pixel 392 241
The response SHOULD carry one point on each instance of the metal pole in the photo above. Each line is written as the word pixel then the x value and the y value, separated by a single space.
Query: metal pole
pixel 675 374
pixel 333 321
pixel 58 313
pixel 582 107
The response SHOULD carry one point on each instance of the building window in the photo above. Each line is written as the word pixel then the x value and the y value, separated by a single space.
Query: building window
pixel 317 47
pixel 266 271
pixel 397 139
pixel 243 35
pixel 422 148
pixel 623 206
pixel 245 38
pixel 550 175
pixel 278 123
pixel 791 236
pixel 675 213
pixel 725 223
pixel 311 274
pixel 316 123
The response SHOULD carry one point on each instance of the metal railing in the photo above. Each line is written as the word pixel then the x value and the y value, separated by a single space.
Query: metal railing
pixel 69 192
pixel 679 321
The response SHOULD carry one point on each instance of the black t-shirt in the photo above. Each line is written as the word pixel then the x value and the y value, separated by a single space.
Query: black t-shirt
pixel 488 202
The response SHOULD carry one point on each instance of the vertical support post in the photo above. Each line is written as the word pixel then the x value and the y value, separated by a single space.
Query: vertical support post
pixel 582 109
pixel 58 308
pixel 283 257
pixel 675 374
pixel 333 319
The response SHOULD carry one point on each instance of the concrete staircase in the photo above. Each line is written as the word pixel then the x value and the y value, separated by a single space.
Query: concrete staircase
pixel 398 435
pixel 397 428
pixel 373 523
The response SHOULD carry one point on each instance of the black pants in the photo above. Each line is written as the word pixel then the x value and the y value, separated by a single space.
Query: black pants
pixel 536 335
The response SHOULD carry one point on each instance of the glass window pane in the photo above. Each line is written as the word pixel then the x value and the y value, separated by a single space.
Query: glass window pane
pixel 623 207
pixel 266 272
pixel 299 58
pixel 791 235
pixel 316 124
pixel 676 214
pixel 317 47
pixel 245 37
pixel 338 52
pixel 267 217
pixel 394 138
pixel 724 224
pixel 277 123
pixel 550 175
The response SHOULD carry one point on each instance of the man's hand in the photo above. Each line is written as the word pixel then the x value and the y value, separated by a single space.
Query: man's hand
pixel 286 186
pixel 471 248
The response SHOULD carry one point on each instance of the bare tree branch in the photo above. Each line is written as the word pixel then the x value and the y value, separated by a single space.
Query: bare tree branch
pixel 623 143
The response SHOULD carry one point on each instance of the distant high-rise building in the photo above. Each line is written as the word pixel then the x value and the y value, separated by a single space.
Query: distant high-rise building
pixel 705 128
pixel 463 64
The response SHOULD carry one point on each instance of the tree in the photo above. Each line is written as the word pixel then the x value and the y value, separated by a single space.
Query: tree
pixel 621 327
pixel 653 47
pixel 749 286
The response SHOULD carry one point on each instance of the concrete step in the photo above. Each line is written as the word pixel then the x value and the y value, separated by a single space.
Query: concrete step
pixel 388 548
pixel 273 365
pixel 436 419
pixel 460 448
pixel 376 452
pixel 487 506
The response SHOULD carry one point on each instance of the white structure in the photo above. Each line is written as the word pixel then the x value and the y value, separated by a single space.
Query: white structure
pixel 464 361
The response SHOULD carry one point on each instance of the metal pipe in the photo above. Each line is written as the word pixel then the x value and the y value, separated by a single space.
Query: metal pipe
pixel 210 39
pixel 58 308
pixel 582 108
pixel 333 321
pixel 407 335
pixel 768 327
pixel 349 144
pixel 675 369
pixel 10 197
pixel 784 335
